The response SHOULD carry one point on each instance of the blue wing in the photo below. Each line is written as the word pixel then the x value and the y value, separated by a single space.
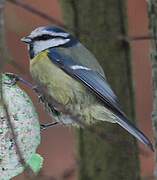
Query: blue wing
pixel 96 83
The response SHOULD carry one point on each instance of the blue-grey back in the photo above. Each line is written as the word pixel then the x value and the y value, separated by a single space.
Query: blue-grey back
pixel 82 55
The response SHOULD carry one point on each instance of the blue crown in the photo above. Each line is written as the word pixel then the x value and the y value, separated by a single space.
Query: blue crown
pixel 55 29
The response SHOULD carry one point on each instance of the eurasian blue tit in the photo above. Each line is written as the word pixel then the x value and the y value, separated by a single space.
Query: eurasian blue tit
pixel 73 77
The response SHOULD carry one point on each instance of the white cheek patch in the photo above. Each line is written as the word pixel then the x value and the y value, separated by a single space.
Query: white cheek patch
pixel 75 67
pixel 39 46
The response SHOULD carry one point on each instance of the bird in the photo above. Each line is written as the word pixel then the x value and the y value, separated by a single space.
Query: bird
pixel 69 73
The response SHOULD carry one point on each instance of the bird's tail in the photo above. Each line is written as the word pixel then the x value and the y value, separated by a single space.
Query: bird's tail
pixel 123 122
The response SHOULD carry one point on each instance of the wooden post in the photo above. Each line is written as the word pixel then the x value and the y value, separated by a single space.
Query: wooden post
pixel 99 25
pixel 152 13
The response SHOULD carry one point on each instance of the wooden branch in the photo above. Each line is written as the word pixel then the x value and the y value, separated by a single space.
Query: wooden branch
pixel 3 60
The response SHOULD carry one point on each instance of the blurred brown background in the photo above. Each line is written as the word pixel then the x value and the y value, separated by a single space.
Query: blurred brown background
pixel 58 144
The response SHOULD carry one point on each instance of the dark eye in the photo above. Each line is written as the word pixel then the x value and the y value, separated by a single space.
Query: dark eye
pixel 43 37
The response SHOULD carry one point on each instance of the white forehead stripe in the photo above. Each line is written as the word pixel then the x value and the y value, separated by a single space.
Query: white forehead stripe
pixel 75 67
pixel 40 31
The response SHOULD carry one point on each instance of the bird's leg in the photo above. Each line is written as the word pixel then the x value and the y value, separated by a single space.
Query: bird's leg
pixel 15 78
pixel 48 125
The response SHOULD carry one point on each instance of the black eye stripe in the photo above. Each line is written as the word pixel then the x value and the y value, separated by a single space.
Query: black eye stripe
pixel 46 37
pixel 43 37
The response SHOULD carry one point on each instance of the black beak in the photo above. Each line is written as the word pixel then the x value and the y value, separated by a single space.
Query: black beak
pixel 26 40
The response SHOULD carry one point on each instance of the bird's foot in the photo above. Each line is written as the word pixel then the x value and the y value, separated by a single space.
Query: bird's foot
pixel 41 98
pixel 35 89
pixel 15 78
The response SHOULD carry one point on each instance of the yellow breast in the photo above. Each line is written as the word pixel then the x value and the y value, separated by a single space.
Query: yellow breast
pixel 67 90
pixel 60 85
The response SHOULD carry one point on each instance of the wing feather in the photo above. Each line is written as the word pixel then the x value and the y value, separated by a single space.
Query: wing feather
pixel 98 85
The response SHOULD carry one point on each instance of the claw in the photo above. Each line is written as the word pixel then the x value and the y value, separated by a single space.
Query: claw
pixel 13 79
pixel 41 98
pixel 36 89
pixel 45 126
